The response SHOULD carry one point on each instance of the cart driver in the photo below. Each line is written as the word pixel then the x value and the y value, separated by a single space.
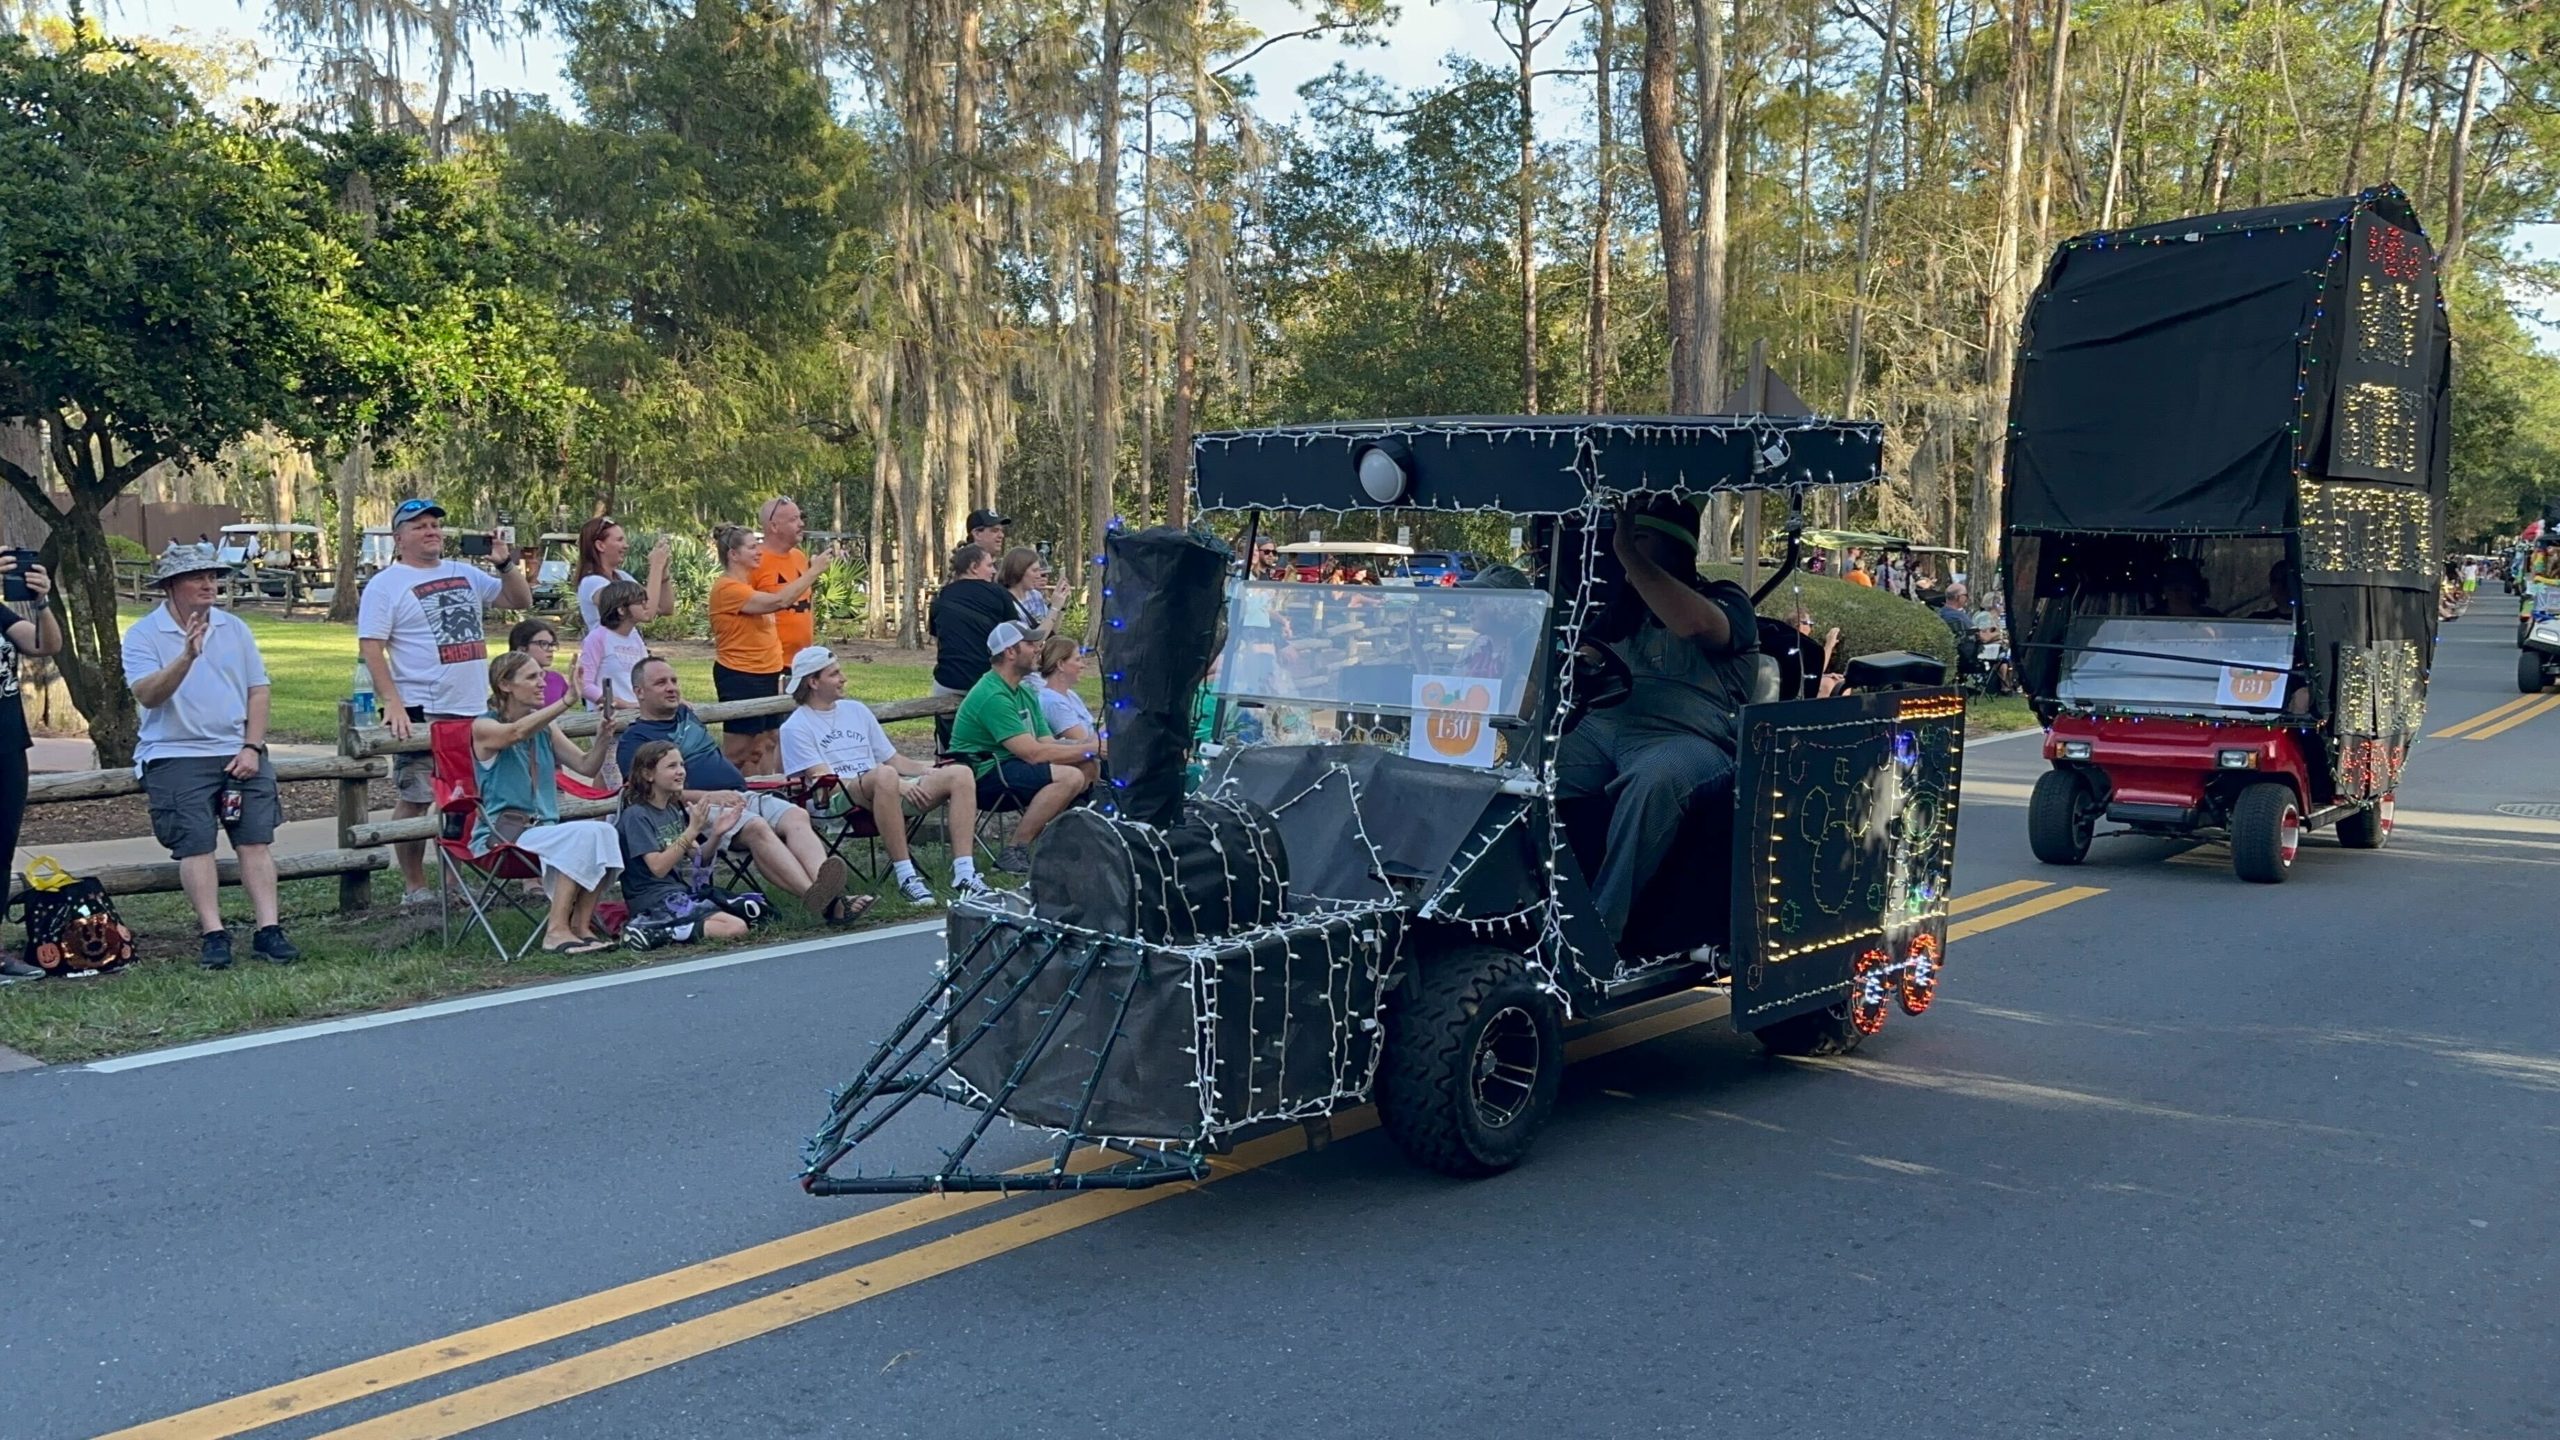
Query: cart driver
pixel 1669 747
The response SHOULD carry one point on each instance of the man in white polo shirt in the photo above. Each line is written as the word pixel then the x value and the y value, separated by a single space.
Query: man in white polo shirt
pixel 202 753
pixel 830 735
pixel 421 632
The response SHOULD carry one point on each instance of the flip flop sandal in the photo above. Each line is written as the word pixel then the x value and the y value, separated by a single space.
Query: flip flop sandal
pixel 578 947
pixel 850 908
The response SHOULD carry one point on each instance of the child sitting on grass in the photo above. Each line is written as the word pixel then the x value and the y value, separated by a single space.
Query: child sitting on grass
pixel 663 850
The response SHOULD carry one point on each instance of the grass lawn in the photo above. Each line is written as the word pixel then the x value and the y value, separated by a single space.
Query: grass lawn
pixel 1997 714
pixel 311 667
pixel 350 964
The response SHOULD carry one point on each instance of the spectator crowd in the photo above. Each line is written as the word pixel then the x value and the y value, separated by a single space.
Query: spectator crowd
pixel 772 799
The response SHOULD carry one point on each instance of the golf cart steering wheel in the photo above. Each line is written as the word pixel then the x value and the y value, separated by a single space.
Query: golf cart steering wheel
pixel 1601 679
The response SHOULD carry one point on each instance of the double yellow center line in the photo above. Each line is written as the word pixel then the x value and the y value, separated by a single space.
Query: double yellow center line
pixel 1025 1224
pixel 2492 723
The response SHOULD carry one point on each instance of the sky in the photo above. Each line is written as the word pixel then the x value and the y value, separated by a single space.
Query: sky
pixel 1423 32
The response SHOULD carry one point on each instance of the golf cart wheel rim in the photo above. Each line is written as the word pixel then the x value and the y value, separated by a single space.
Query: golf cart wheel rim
pixel 1503 1076
pixel 2289 835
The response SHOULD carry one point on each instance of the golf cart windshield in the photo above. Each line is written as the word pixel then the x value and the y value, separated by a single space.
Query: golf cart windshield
pixel 2177 666
pixel 1387 650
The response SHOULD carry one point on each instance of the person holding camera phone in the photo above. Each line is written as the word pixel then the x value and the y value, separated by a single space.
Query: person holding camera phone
pixel 25 589
pixel 202 686
pixel 422 630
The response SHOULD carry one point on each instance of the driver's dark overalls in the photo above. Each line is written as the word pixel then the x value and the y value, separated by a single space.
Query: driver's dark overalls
pixel 1663 753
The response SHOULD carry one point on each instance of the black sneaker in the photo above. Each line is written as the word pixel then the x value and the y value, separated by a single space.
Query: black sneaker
pixel 216 954
pixel 273 948
pixel 13 970
pixel 1014 860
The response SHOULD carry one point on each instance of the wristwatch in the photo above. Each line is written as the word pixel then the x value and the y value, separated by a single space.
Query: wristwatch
pixel 253 745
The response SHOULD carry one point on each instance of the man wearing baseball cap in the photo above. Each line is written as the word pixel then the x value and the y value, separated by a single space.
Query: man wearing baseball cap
pixel 986 530
pixel 421 632
pixel 1005 739
pixel 831 736
pixel 202 688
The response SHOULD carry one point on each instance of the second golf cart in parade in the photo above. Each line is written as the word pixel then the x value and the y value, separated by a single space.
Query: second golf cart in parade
pixel 2228 457
pixel 1365 887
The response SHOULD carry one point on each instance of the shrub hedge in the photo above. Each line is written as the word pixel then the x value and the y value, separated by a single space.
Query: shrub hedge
pixel 1870 621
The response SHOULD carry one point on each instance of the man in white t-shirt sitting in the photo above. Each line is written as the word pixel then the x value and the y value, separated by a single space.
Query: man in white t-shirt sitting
pixel 421 631
pixel 830 735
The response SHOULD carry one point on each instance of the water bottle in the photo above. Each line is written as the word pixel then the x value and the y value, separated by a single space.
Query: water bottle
pixel 367 710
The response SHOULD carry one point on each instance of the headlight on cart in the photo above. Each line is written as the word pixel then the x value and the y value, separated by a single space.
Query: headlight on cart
pixel 2237 759
pixel 2075 749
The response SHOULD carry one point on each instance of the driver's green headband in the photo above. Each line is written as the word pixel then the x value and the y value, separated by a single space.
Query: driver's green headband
pixel 1660 526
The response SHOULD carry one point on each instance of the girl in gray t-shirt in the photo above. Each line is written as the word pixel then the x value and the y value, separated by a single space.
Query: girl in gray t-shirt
pixel 661 839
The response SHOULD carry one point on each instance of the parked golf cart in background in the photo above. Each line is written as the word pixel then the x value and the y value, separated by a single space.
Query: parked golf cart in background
pixel 2228 458
pixel 271 563
pixel 1374 890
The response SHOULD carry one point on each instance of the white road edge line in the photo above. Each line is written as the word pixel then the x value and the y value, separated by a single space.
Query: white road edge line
pixel 347 1024
pixel 2003 735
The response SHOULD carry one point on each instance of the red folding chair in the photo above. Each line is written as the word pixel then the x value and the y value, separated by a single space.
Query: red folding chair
pixel 484 878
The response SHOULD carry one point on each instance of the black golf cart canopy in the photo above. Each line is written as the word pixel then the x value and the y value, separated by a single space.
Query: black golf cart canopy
pixel 2200 376
pixel 1526 465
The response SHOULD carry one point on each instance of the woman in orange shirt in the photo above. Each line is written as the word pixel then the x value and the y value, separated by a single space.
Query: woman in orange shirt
pixel 748 662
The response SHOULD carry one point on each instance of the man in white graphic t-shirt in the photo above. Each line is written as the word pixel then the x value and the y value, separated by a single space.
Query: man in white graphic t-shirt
pixel 421 632
pixel 831 735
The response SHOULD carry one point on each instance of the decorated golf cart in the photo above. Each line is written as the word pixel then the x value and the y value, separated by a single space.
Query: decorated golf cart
pixel 2228 460
pixel 1366 886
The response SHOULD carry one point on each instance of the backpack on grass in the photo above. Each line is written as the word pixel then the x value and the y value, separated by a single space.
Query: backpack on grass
pixel 72 925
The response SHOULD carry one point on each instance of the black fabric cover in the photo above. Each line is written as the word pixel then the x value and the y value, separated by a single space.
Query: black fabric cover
pixel 1532 465
pixel 1220 1010
pixel 1162 599
pixel 1416 814
pixel 2163 372
pixel 1221 869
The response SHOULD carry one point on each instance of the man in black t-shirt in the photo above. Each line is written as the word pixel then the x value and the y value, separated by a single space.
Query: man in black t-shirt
pixel 965 611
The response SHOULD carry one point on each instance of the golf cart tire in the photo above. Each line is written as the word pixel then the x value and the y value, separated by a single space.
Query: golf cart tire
pixel 1431 1099
pixel 2260 820
pixel 2529 677
pixel 1813 1033
pixel 2062 817
pixel 2369 828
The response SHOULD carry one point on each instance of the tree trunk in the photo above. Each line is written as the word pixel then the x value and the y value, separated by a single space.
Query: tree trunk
pixel 1715 156
pixel 1524 50
pixel 2457 178
pixel 2400 91
pixel 1195 285
pixel 1595 326
pixel 2056 73
pixel 1657 108
pixel 1105 300
pixel 2003 302
pixel 1862 276
pixel 2115 147
pixel 348 482
pixel 2364 97
pixel 23 524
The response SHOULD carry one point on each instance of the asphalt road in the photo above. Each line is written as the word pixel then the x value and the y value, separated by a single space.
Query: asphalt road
pixel 2181 1157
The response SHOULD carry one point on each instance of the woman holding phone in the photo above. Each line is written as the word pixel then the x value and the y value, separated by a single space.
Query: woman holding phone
pixel 25 591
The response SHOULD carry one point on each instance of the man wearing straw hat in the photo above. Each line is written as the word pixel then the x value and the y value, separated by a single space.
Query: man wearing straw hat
pixel 202 754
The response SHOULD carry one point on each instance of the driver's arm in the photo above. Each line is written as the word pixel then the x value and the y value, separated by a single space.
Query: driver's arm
pixel 1682 610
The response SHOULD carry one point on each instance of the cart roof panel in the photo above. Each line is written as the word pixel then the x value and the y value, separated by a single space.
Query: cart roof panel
pixel 2180 377
pixel 1532 465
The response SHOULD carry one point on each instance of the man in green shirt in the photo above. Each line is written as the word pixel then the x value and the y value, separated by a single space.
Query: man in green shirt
pixel 999 730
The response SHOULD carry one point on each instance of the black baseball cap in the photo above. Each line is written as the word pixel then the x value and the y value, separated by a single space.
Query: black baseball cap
pixel 987 519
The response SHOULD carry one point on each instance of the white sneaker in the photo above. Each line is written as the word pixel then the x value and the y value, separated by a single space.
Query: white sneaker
pixel 913 886
pixel 972 888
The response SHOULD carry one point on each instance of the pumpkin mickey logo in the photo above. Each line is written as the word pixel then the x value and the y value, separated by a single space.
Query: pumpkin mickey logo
pixel 2251 687
pixel 1455 720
